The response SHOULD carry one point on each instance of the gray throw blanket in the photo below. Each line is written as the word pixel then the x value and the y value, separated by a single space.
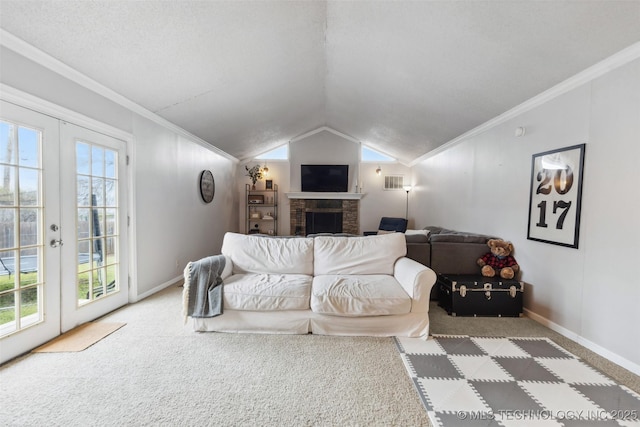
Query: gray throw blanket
pixel 202 294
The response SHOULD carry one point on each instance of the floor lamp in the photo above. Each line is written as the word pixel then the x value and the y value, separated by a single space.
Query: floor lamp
pixel 407 188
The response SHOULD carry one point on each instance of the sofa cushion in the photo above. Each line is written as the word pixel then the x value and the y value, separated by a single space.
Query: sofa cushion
pixel 424 232
pixel 375 254
pixel 459 237
pixel 264 254
pixel 439 234
pixel 416 238
pixel 434 229
pixel 358 295
pixel 385 231
pixel 267 292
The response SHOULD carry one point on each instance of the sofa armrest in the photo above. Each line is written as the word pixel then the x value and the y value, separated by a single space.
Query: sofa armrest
pixel 417 280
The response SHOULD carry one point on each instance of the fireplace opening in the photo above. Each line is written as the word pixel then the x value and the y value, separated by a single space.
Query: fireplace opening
pixel 323 222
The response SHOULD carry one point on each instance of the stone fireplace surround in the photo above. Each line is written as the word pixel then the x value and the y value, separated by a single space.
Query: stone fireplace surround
pixel 299 206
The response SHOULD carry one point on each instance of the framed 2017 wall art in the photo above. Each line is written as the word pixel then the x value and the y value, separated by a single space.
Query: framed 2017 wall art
pixel 555 196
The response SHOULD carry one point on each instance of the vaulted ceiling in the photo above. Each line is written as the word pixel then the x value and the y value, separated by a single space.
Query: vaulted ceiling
pixel 403 77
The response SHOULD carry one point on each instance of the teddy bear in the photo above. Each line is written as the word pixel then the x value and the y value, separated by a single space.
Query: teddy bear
pixel 499 260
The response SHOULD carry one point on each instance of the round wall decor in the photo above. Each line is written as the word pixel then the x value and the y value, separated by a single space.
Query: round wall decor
pixel 207 186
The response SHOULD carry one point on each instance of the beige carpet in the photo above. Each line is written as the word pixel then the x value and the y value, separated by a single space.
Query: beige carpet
pixel 156 372
pixel 80 338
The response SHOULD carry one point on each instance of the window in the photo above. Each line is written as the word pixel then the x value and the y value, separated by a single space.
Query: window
pixel 280 153
pixel 371 155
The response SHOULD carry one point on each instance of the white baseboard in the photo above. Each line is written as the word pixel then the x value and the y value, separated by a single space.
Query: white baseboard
pixel 607 354
pixel 158 288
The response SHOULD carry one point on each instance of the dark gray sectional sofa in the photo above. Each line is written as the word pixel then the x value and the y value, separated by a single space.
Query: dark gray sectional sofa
pixel 448 251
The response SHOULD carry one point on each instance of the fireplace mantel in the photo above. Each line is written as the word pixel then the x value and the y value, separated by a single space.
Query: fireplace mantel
pixel 324 195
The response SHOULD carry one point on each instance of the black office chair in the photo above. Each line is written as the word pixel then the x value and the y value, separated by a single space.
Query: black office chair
pixel 399 225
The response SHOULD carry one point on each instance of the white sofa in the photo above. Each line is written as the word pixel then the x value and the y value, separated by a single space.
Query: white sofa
pixel 329 285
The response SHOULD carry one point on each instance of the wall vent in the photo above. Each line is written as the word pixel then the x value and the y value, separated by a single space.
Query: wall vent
pixel 394 182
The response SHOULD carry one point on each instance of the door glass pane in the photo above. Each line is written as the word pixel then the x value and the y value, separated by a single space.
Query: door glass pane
pixel 111 222
pixel 83 191
pixel 28 142
pixel 97 233
pixel 84 279
pixel 29 307
pixel 84 224
pixel 97 195
pixel 21 278
pixel 29 266
pixel 7 185
pixel 110 190
pixel 97 161
pixel 84 255
pixel 110 164
pixel 111 278
pixel 98 281
pixel 29 180
pixel 7 231
pixel 98 253
pixel 82 158
pixel 8 313
pixel 29 221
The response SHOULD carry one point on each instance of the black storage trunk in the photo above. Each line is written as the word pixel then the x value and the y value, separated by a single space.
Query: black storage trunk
pixel 476 295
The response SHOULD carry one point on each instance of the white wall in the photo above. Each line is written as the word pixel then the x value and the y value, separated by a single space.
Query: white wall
pixel 323 148
pixel 174 225
pixel 481 184
pixel 379 202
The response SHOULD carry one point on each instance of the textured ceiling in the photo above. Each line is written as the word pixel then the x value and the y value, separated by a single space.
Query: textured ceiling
pixel 402 77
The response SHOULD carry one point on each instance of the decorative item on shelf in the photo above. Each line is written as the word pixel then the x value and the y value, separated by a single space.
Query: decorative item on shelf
pixel 268 216
pixel 255 229
pixel 268 184
pixel 255 199
pixel 254 173
pixel 255 214
pixel 207 186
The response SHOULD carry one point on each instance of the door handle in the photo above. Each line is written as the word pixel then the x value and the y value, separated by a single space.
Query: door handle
pixel 54 243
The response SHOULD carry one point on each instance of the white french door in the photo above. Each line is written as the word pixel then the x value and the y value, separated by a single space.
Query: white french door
pixel 63 231
pixel 29 208
pixel 94 225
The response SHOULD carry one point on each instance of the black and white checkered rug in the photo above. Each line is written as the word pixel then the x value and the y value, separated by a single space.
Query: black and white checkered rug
pixel 469 381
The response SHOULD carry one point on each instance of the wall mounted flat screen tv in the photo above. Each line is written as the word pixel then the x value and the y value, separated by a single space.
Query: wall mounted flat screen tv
pixel 325 178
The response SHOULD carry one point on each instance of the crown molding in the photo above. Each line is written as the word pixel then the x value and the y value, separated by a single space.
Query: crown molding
pixel 45 60
pixel 611 63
